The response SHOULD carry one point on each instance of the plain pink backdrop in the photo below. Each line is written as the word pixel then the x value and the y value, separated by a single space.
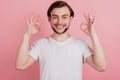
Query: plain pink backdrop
pixel 13 16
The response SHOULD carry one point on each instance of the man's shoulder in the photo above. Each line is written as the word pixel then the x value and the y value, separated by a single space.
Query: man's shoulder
pixel 80 41
pixel 41 40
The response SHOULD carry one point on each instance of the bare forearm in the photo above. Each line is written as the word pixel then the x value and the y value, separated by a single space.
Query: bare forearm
pixel 99 56
pixel 22 54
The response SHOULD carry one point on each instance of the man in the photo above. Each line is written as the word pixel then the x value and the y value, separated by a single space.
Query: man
pixel 61 55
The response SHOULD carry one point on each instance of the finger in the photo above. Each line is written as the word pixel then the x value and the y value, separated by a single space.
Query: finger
pixel 86 15
pixel 34 19
pixel 37 26
pixel 37 23
pixel 83 23
pixel 93 19
pixel 89 17
pixel 38 29
pixel 31 19
pixel 83 26
pixel 27 22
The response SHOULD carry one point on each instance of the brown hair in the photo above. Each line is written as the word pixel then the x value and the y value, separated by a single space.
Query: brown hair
pixel 59 4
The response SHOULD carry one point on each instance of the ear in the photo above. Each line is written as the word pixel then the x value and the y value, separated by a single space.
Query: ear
pixel 71 17
pixel 49 19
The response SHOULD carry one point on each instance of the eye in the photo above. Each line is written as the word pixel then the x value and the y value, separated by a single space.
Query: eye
pixel 64 17
pixel 54 17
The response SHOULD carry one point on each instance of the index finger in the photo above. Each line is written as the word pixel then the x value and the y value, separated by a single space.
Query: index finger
pixel 87 17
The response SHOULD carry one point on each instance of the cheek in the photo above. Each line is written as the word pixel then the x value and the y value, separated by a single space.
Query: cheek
pixel 53 21
pixel 68 21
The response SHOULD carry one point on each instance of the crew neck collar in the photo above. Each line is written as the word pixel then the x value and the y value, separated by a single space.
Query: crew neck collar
pixel 60 43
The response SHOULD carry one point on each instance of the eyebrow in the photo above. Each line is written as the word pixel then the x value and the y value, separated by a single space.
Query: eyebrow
pixel 54 15
pixel 65 15
pixel 57 15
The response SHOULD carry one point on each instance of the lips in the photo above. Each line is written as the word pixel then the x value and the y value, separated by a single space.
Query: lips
pixel 60 26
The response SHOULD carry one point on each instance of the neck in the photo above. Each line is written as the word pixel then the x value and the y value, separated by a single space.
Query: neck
pixel 60 37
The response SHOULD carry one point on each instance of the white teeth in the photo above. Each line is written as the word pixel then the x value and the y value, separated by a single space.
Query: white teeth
pixel 59 26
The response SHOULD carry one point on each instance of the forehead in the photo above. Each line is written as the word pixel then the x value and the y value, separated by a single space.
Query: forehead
pixel 60 11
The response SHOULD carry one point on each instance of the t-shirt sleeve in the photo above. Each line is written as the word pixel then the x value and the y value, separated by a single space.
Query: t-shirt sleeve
pixel 34 51
pixel 86 52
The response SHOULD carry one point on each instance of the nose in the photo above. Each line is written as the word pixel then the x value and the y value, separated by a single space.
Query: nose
pixel 59 20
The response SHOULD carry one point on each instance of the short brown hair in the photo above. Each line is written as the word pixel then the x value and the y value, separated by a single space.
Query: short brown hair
pixel 59 4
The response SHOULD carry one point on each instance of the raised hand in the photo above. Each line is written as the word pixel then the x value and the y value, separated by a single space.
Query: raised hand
pixel 87 26
pixel 33 25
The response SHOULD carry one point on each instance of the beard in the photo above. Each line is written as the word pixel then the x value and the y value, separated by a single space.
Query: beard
pixel 60 25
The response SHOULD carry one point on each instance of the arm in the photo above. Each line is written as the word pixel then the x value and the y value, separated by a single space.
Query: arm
pixel 97 60
pixel 23 60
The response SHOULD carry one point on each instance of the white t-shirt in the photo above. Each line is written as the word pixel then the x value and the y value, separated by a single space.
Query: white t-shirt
pixel 60 60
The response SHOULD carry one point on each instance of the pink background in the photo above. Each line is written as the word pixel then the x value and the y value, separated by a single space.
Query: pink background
pixel 13 14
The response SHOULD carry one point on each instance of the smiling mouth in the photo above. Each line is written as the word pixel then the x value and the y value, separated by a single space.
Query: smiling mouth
pixel 60 26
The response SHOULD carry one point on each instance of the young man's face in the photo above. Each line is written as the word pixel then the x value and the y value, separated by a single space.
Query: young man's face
pixel 60 19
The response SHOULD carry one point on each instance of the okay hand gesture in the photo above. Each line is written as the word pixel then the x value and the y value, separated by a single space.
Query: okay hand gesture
pixel 87 26
pixel 33 25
